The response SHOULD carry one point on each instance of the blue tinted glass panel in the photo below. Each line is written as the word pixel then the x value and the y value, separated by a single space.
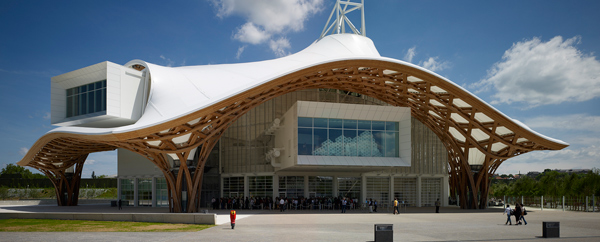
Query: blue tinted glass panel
pixel 364 143
pixel 336 147
pixel 104 99
pixel 70 92
pixel 304 122
pixel 378 145
pixel 69 107
pixel 391 126
pixel 320 122
pixel 364 124
pixel 335 123
pixel 350 142
pixel 98 101
pixel 378 125
pixel 91 102
pixel 391 144
pixel 83 104
pixel 90 87
pixel 349 124
pixel 98 85
pixel 83 88
pixel 320 142
pixel 304 141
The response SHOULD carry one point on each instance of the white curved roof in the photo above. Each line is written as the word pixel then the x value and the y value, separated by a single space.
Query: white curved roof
pixel 178 91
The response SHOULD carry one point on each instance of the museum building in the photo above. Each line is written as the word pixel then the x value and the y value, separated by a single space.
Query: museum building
pixel 333 120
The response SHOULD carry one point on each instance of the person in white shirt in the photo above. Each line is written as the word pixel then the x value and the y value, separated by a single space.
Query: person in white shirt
pixel 281 204
pixel 508 211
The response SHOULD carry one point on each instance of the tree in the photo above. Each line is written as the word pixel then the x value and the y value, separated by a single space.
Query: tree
pixel 15 171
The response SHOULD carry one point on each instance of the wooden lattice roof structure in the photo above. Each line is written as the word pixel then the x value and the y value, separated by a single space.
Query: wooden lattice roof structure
pixel 190 107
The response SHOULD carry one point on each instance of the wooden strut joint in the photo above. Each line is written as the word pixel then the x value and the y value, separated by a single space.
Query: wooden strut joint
pixel 367 77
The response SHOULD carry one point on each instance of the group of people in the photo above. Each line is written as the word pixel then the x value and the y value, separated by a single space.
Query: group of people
pixel 283 203
pixel 519 212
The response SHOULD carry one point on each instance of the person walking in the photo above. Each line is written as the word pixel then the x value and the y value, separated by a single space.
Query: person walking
pixel 371 205
pixel 507 211
pixel 396 210
pixel 281 203
pixel 518 214
pixel 375 206
pixel 344 202
pixel 437 206
pixel 523 213
pixel 120 203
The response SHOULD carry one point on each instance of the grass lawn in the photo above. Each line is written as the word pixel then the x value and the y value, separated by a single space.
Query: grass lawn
pixel 51 225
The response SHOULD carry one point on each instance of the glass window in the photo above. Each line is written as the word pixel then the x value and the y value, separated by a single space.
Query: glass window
pixel 349 124
pixel 349 187
pixel 378 125
pixel 364 124
pixel 292 186
pixel 304 122
pixel 320 140
pixel 350 142
pixel 348 138
pixel 320 122
pixel 162 200
pixel 405 189
pixel 320 186
pixel 127 186
pixel 378 190
pixel 144 191
pixel 304 141
pixel 89 98
pixel 392 126
pixel 260 186
pixel 335 123
pixel 233 186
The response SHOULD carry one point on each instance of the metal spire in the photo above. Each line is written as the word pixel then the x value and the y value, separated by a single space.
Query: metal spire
pixel 338 26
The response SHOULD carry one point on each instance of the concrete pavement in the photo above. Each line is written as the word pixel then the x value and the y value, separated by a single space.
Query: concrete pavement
pixel 416 224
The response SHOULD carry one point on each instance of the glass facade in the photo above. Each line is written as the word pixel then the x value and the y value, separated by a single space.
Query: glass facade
pixel 349 187
pixel 431 190
pixel 233 186
pixel 162 198
pixel 89 98
pixel 320 186
pixel 291 186
pixel 378 189
pixel 260 186
pixel 405 189
pixel 127 191
pixel 346 137
pixel 144 191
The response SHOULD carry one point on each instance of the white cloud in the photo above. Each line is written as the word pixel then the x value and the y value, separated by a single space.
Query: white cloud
pixel 569 158
pixel 47 116
pixel 23 151
pixel 410 54
pixel 267 18
pixel 250 33
pixel 279 46
pixel 239 52
pixel 169 62
pixel 539 73
pixel 434 65
pixel 568 122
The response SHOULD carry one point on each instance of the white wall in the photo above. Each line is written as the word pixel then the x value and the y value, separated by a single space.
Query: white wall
pixel 124 95
pixel 131 164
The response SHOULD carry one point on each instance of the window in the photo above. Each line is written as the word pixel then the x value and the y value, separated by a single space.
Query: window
pixel 347 137
pixel 144 191
pixel 292 186
pixel 378 190
pixel 430 191
pixel 320 186
pixel 233 186
pixel 162 200
pixel 260 186
pixel 89 98
pixel 127 186
pixel 405 189
pixel 349 187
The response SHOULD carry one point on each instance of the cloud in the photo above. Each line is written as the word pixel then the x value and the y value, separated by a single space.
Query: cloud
pixel 168 61
pixel 47 116
pixel 250 33
pixel 569 122
pixel 239 52
pixel 410 54
pixel 267 21
pixel 434 65
pixel 279 46
pixel 23 151
pixel 540 73
pixel 576 158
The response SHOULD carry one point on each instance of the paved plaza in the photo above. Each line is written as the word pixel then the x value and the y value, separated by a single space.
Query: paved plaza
pixel 414 224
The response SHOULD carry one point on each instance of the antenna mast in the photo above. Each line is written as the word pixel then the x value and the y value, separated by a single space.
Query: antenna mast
pixel 338 25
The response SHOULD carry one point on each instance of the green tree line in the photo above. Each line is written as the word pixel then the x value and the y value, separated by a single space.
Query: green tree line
pixel 549 184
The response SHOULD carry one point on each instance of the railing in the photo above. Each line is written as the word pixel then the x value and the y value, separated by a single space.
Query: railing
pixel 564 203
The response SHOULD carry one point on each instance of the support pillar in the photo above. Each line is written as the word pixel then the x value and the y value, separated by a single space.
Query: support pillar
pixel 418 192
pixel 66 182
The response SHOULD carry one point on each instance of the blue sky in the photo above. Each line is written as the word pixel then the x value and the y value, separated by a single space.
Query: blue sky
pixel 536 60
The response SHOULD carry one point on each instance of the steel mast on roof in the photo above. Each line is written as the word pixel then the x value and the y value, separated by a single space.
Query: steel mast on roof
pixel 338 26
